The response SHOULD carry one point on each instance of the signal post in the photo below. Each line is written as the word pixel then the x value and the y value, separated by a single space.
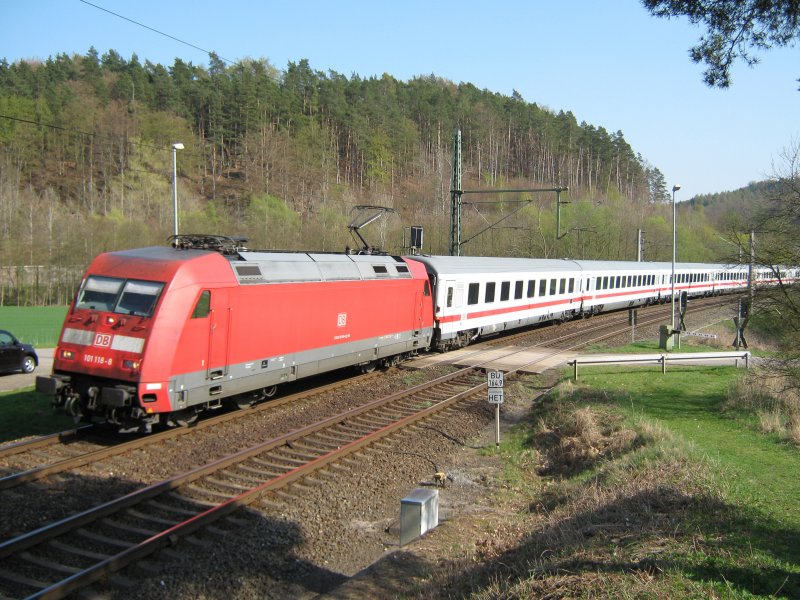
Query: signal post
pixel 495 383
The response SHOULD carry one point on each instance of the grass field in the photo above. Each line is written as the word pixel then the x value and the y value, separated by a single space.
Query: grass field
pixel 25 413
pixel 646 486
pixel 37 325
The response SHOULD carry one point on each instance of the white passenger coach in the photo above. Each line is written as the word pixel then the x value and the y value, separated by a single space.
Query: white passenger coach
pixel 477 296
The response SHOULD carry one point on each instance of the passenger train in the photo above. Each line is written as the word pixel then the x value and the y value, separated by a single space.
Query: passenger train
pixel 160 334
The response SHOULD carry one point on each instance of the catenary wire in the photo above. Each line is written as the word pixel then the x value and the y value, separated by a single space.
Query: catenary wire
pixel 172 37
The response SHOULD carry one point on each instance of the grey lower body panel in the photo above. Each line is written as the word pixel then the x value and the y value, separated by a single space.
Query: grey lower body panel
pixel 198 388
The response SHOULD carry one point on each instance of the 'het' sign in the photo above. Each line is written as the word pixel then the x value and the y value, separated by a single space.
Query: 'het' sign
pixel 495 387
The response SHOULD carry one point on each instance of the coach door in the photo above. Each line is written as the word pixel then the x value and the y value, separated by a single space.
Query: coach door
pixel 219 336
pixel 454 300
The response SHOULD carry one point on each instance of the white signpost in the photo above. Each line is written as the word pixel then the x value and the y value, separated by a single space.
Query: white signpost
pixel 495 383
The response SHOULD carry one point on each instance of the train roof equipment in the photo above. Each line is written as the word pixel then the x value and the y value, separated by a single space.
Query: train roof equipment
pixel 366 214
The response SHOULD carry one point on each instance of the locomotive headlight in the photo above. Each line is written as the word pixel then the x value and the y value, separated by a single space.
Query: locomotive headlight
pixel 67 354
pixel 132 365
pixel 110 320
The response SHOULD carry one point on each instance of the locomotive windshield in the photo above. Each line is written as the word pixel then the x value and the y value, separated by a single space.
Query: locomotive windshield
pixel 125 297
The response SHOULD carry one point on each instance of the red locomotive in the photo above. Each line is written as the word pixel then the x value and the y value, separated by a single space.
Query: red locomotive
pixel 159 334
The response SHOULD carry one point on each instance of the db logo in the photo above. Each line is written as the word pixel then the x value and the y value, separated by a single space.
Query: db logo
pixel 103 340
pixel 341 320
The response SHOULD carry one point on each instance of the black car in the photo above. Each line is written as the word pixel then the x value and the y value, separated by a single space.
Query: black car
pixel 16 356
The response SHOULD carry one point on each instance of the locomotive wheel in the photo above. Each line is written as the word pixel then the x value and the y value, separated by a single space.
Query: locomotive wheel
pixel 270 392
pixel 245 402
pixel 73 406
pixel 184 417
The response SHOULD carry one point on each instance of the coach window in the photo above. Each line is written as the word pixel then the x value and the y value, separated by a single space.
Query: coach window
pixel 203 306
pixel 449 297
pixel 531 288
pixel 563 287
pixel 473 293
pixel 518 288
pixel 571 285
pixel 542 287
pixel 505 290
pixel 553 284
pixel 489 296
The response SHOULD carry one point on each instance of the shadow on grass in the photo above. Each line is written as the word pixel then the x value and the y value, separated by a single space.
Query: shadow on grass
pixel 653 533
pixel 25 413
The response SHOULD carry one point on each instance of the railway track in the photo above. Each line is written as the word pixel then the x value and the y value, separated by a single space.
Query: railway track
pixel 66 555
pixel 76 448
pixel 105 538
pixel 35 459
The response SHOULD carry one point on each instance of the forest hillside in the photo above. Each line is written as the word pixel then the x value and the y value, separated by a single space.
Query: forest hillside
pixel 282 157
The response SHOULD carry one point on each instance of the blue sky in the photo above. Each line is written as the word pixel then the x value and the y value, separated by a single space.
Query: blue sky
pixel 607 61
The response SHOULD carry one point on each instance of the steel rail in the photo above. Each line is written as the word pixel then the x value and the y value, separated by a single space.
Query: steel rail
pixel 292 475
pixel 65 464
pixel 42 441
pixel 49 532
pixel 37 473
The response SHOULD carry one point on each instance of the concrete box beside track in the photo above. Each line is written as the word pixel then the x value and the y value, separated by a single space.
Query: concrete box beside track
pixel 419 512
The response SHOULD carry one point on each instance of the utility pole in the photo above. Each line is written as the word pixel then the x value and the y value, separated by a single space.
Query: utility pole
pixel 455 198
pixel 639 239
pixel 456 204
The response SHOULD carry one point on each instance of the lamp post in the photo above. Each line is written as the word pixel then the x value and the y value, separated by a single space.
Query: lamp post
pixel 175 147
pixel 675 188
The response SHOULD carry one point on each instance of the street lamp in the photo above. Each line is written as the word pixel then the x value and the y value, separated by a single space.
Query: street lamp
pixel 675 188
pixel 175 147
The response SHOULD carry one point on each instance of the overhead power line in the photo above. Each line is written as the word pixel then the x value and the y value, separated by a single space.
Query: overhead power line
pixel 84 133
pixel 172 37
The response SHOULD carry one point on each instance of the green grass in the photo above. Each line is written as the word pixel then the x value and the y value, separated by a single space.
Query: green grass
pixel 688 401
pixel 647 485
pixel 25 413
pixel 756 528
pixel 37 325
pixel 651 347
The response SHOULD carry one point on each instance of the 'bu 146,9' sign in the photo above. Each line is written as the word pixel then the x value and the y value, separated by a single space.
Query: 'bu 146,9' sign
pixel 495 382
